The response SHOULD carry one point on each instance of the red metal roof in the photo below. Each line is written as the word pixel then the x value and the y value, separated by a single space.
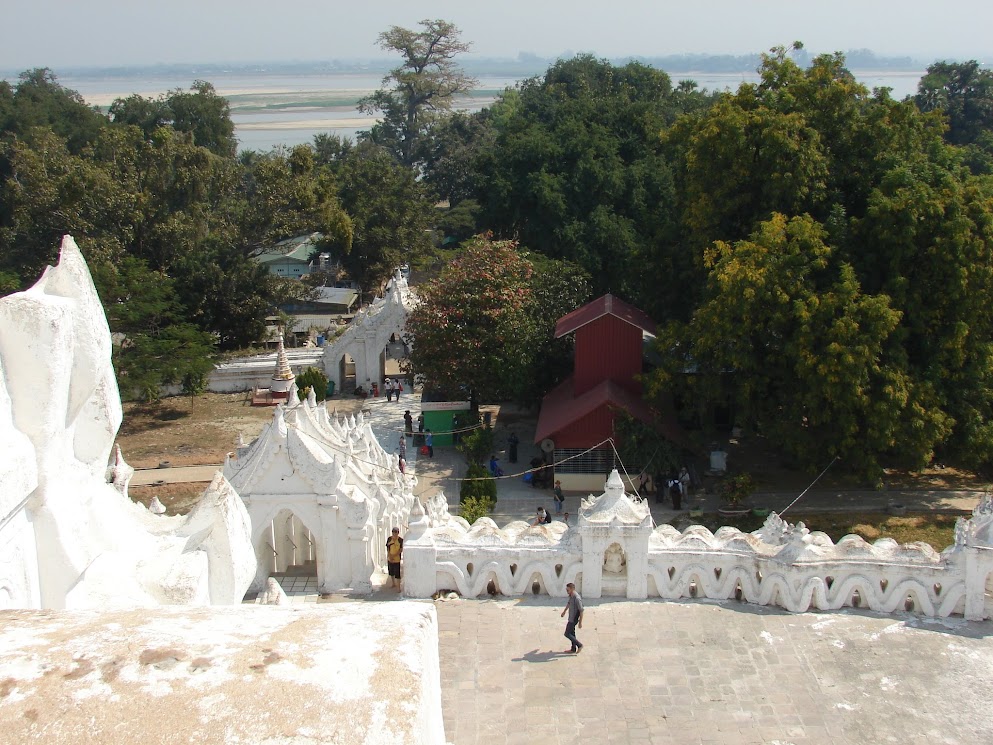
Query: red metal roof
pixel 608 305
pixel 559 408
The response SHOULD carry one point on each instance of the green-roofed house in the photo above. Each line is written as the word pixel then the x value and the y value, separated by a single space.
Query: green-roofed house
pixel 291 257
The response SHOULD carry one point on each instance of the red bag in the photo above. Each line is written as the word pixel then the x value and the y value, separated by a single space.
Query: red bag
pixel 424 450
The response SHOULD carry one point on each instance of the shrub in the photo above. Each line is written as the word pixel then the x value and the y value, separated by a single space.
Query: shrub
pixel 473 508
pixel 313 378
pixel 478 484
pixel 476 445
pixel 736 489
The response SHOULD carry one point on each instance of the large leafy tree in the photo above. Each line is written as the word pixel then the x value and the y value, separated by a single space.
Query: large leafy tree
pixel 963 91
pixel 389 209
pixel 159 347
pixel 199 112
pixel 893 222
pixel 424 84
pixel 285 194
pixel 789 333
pixel 39 100
pixel 577 172
pixel 482 329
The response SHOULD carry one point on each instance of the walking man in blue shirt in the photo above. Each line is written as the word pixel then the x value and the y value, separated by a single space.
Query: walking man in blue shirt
pixel 574 606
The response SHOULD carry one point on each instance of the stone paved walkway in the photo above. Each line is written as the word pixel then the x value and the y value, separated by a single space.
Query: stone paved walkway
pixel 657 672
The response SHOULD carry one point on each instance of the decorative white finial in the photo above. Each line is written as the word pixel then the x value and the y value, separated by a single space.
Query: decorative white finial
pixel 156 507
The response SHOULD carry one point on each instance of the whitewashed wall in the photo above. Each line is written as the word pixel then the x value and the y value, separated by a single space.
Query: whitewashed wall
pixel 781 564
pixel 68 538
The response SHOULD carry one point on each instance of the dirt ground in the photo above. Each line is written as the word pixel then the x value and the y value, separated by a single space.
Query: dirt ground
pixel 178 499
pixel 773 473
pixel 201 433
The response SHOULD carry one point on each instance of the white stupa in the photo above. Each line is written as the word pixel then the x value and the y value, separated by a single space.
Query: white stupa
pixel 283 377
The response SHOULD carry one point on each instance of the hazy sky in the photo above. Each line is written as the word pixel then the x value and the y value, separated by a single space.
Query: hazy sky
pixel 72 33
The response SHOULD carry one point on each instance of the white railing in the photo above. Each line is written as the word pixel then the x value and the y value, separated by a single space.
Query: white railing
pixel 780 565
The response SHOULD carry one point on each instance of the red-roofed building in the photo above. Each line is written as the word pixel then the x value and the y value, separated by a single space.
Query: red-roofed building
pixel 579 413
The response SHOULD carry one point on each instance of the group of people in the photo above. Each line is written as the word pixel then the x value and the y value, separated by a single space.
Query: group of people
pixel 393 387
pixel 676 487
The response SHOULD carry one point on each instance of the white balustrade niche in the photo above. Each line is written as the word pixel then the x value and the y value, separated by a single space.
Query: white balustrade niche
pixel 615 551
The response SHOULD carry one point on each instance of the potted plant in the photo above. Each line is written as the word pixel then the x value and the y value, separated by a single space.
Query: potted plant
pixel 733 491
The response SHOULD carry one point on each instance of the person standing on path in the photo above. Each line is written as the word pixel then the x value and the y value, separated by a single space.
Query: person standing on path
pixel 408 423
pixel 512 442
pixel 559 497
pixel 429 443
pixel 574 607
pixel 394 552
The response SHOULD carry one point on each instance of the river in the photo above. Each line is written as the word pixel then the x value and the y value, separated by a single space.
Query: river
pixel 275 109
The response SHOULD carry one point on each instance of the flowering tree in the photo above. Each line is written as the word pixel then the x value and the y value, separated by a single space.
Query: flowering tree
pixel 483 327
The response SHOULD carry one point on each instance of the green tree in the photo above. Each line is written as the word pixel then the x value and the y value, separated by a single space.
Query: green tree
pixel 157 346
pixel 39 100
pixel 389 210
pixel 46 193
pixel 425 84
pixel 148 114
pixel 313 379
pixel 205 115
pixel 577 172
pixel 476 445
pixel 477 493
pixel 452 148
pixel 963 91
pixel 286 195
pixel 806 355
pixel 483 327
pixel 199 112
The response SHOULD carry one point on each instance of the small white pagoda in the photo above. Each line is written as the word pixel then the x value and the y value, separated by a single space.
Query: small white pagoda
pixel 283 377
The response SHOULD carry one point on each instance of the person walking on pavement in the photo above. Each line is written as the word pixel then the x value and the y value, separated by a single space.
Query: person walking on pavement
pixel 574 607
pixel 429 442
pixel 388 385
pixel 559 497
pixel 397 388
pixel 408 423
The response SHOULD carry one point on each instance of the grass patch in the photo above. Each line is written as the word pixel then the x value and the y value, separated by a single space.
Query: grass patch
pixel 936 529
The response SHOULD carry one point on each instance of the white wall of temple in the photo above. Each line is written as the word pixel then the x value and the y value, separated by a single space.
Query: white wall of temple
pixel 780 565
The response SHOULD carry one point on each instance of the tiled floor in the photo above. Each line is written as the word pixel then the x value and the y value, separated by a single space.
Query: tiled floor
pixel 298 589
pixel 657 672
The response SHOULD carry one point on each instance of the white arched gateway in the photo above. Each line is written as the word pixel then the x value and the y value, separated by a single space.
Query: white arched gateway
pixel 365 340
pixel 322 495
